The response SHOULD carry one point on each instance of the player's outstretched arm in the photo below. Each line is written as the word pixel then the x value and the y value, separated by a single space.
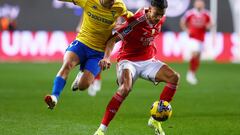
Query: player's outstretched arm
pixel 105 63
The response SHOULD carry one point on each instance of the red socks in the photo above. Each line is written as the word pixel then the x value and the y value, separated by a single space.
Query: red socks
pixel 112 108
pixel 168 92
pixel 194 64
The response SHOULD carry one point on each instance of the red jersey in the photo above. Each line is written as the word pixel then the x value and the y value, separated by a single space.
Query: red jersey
pixel 137 34
pixel 197 22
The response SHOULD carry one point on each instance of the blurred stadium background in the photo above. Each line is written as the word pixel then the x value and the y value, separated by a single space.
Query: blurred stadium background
pixel 46 27
pixel 31 54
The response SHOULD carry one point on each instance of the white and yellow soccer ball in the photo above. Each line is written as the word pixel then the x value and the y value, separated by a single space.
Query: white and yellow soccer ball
pixel 161 110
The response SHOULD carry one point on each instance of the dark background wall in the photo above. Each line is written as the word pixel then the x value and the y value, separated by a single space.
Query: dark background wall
pixel 40 15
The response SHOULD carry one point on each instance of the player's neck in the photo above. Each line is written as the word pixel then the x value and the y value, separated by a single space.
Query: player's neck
pixel 149 17
pixel 199 9
pixel 105 4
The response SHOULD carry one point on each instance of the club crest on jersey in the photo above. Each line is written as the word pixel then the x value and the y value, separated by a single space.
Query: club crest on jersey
pixel 113 13
pixel 153 31
pixel 94 7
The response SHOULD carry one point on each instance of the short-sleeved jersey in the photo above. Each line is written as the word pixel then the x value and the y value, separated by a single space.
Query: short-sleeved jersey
pixel 98 22
pixel 197 22
pixel 137 35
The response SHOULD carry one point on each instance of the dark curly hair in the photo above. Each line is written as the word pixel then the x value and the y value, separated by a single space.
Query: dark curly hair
pixel 162 4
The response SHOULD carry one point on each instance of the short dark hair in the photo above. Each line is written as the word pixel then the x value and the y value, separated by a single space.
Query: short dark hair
pixel 159 3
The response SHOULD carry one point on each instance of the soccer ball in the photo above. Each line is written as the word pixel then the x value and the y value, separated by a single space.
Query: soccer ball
pixel 161 110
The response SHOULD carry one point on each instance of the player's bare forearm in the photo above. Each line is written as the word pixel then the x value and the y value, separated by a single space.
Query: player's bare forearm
pixel 105 63
pixel 109 47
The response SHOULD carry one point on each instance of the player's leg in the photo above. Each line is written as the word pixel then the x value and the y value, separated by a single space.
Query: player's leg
pixel 157 71
pixel 91 68
pixel 97 82
pixel 193 67
pixel 71 58
pixel 86 80
pixel 116 100
pixel 92 89
pixel 168 75
pixel 125 81
pixel 74 85
pixel 156 125
pixel 95 86
pixel 171 77
pixel 69 62
pixel 195 48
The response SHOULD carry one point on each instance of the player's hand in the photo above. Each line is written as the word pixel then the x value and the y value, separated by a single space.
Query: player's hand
pixel 104 64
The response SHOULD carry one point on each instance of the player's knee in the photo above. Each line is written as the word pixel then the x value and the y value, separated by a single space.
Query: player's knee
pixel 65 69
pixel 175 77
pixel 67 66
pixel 124 90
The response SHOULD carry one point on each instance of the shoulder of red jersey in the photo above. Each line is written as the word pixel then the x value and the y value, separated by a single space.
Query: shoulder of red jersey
pixel 127 27
pixel 206 12
pixel 188 13
pixel 160 23
pixel 140 11
pixel 138 16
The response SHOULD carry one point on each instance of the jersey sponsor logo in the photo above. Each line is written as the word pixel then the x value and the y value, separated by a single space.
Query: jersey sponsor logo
pixel 127 30
pixel 198 21
pixel 98 18
pixel 146 41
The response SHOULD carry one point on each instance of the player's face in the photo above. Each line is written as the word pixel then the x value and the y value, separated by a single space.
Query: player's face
pixel 108 3
pixel 156 14
pixel 199 4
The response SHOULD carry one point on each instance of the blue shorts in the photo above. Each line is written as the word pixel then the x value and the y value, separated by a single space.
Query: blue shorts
pixel 89 58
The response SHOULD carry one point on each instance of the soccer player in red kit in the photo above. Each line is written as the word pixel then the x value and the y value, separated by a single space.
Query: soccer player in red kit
pixel 136 59
pixel 196 22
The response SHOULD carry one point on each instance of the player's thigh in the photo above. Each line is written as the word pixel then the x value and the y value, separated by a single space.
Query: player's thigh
pixel 70 59
pixel 127 79
pixel 150 68
pixel 126 83
pixel 167 74
pixel 92 66
pixel 128 66
pixel 90 70
pixel 196 54
pixel 195 46
pixel 77 52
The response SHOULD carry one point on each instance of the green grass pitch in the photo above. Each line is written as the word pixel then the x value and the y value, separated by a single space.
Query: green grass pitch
pixel 210 108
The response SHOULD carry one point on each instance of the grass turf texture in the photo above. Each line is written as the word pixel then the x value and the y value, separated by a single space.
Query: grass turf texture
pixel 210 108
